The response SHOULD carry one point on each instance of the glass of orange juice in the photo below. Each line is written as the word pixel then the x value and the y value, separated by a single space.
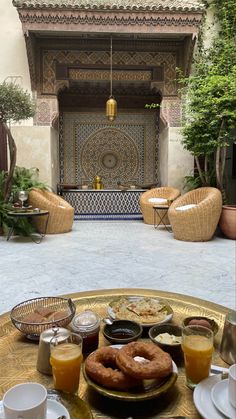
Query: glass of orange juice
pixel 66 358
pixel 197 345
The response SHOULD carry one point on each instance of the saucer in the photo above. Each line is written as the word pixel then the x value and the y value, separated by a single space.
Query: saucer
pixel 54 409
pixel 219 395
pixel 202 398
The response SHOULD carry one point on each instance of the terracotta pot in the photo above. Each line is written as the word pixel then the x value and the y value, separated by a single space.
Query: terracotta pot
pixel 228 221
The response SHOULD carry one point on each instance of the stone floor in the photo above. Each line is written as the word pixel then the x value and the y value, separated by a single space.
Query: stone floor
pixel 116 254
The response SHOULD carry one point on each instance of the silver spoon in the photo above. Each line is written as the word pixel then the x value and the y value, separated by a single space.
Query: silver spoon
pixel 107 321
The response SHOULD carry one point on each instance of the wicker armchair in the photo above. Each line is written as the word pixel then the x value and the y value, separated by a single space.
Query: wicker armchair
pixel 61 214
pixel 165 192
pixel 197 223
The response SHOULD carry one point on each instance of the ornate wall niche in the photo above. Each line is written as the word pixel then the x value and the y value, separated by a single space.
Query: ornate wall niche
pixel 124 151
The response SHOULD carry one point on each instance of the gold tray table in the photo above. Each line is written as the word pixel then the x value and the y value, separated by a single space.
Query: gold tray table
pixel 18 358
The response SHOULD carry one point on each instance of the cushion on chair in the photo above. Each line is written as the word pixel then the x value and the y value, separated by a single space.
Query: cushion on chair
pixel 158 200
pixel 186 207
pixel 156 196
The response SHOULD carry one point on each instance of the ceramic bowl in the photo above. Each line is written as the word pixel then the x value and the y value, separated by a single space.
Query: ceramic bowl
pixel 214 325
pixel 174 350
pixel 122 331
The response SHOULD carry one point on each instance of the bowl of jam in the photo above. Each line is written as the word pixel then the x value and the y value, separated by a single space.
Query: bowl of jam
pixel 122 331
pixel 87 324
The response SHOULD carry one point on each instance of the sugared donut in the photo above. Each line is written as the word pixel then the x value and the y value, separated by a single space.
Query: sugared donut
pixel 102 368
pixel 159 365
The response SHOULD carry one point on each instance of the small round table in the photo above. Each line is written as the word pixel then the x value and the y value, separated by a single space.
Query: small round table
pixel 17 215
pixel 160 212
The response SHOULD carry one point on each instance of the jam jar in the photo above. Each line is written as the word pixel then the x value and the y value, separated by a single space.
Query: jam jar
pixel 87 324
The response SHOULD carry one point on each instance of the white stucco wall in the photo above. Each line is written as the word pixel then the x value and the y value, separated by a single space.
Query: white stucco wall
pixel 13 56
pixel 163 154
pixel 180 161
pixel 37 147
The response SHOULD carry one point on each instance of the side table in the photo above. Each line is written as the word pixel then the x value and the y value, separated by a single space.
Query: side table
pixel 16 215
pixel 160 212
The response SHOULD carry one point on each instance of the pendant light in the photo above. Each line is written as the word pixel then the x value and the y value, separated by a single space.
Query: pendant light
pixel 111 105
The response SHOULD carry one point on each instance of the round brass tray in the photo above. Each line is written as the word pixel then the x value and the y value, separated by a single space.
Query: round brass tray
pixel 18 357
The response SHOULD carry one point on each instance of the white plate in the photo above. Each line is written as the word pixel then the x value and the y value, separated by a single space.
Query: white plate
pixel 219 395
pixel 202 398
pixel 54 409
pixel 169 316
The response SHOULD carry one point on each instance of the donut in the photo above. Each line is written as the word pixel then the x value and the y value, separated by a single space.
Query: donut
pixel 159 365
pixel 102 368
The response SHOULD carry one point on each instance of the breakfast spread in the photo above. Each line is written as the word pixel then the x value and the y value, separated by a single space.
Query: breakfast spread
pixel 142 310
pixel 168 339
pixel 120 368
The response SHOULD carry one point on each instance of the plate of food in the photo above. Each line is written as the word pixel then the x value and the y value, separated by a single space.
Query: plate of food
pixel 105 373
pixel 144 310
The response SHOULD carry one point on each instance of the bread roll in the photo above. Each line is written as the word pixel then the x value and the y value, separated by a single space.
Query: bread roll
pixel 58 315
pixel 44 311
pixel 34 318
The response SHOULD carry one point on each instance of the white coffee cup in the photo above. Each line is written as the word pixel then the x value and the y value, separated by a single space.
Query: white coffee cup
pixel 232 385
pixel 25 401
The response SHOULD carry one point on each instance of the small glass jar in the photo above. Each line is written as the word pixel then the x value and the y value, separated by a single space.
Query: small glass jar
pixel 87 324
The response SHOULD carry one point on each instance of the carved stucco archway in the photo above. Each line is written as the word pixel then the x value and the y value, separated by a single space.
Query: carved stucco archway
pixel 67 32
pixel 68 42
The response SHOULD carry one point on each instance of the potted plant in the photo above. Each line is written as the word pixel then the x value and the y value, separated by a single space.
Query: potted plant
pixel 210 95
pixel 15 105
pixel 23 179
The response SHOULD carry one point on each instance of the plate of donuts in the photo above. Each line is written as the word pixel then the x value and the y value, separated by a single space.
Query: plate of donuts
pixel 144 310
pixel 113 372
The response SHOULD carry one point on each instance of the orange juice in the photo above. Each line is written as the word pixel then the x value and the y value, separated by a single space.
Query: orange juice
pixel 198 351
pixel 66 360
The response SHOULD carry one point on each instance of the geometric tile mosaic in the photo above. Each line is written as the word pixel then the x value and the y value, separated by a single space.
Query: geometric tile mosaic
pixel 123 151
pixel 106 205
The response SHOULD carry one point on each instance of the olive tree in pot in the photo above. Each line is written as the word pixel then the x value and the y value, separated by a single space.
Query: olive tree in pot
pixel 15 105
pixel 210 104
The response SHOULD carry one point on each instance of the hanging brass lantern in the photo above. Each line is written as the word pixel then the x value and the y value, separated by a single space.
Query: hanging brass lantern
pixel 111 109
pixel 111 105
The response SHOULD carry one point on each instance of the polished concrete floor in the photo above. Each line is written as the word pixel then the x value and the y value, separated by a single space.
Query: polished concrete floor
pixel 116 254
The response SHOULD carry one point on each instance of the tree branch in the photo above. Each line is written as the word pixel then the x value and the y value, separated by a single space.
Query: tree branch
pixel 12 155
pixel 199 170
pixel 218 178
pixel 206 170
